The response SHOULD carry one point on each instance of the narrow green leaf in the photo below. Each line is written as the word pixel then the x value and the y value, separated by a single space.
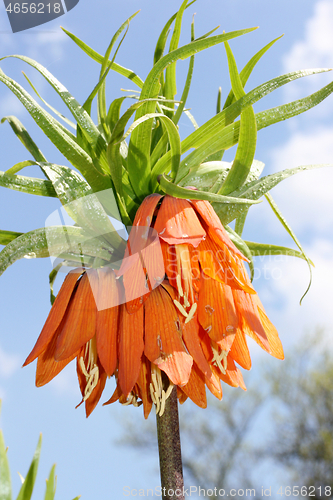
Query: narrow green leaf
pixel 50 485
pixel 19 166
pixel 63 142
pixel 243 247
pixel 140 144
pixel 224 137
pixel 82 204
pixel 240 222
pixel 206 175
pixel 7 236
pixel 128 73
pixel 219 154
pixel 52 276
pixel 29 185
pixel 179 192
pixel 259 187
pixel 118 131
pixel 161 42
pixel 89 129
pixel 22 134
pixel 211 130
pixel 81 116
pixel 29 481
pixel 285 224
pixel 218 102
pixel 55 241
pixel 106 66
pixel 247 134
pixel 116 168
pixel 114 112
pixel 258 249
pixel 5 482
pixel 248 68
pixel 55 111
pixel 173 136
pixel 275 115
pixel 187 85
pixel 170 87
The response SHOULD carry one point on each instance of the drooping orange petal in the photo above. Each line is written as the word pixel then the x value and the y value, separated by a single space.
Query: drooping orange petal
pixel 216 312
pixel 233 376
pixel 250 319
pixel 145 212
pixel 56 314
pixel 170 262
pixel 115 396
pixel 108 304
pixel 177 367
pixel 275 345
pixel 221 265
pixel 140 232
pixel 240 379
pixel 142 238
pixel 239 350
pixel 153 262
pixel 144 383
pixel 181 396
pixel 195 387
pixel 80 324
pixel 163 341
pixel 192 341
pixel 96 393
pixel 135 283
pixel 177 222
pixel 195 268
pixel 215 226
pixel 130 348
pixel 47 366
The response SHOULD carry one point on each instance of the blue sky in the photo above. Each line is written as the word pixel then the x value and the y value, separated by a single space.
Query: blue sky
pixel 89 462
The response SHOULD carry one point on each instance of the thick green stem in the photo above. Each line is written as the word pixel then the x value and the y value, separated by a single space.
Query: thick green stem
pixel 169 450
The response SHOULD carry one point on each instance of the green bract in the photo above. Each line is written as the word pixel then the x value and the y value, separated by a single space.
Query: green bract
pixel 148 156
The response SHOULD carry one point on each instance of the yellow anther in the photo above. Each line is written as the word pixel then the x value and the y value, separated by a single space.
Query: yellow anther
pixel 180 308
pixel 192 312
pixel 179 285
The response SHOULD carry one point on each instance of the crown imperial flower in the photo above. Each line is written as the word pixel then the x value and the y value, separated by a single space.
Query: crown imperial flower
pixel 176 313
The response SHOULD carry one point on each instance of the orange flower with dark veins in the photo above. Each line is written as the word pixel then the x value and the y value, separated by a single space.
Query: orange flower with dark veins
pixel 176 313
pixel 75 328
pixel 189 330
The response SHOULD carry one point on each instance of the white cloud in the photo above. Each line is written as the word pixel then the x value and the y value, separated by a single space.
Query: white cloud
pixel 315 50
pixel 306 199
pixel 41 44
pixel 9 363
pixel 316 309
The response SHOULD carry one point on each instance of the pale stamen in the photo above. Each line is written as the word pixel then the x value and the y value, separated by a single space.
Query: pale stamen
pixel 220 360
pixel 132 399
pixel 180 308
pixel 184 269
pixel 89 367
pixel 179 285
pixel 186 302
pixel 192 312
pixel 157 393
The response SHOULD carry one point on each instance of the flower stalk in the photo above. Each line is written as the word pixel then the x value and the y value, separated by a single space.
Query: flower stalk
pixel 171 467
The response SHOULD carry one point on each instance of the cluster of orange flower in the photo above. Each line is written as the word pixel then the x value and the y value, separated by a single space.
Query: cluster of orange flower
pixel 176 313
